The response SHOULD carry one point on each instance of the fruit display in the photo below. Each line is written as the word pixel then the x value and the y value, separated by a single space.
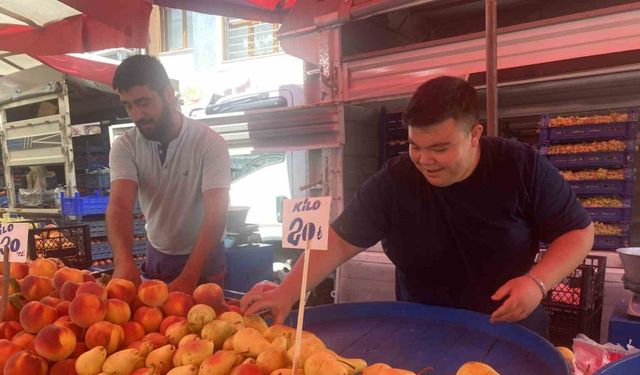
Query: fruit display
pixel 63 321
pixel 603 229
pixel 585 147
pixel 588 120
pixel 593 174
pixel 602 201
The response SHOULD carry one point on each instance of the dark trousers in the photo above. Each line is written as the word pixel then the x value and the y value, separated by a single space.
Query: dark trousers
pixel 167 267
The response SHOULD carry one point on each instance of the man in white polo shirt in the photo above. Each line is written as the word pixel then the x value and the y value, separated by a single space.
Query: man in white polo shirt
pixel 179 169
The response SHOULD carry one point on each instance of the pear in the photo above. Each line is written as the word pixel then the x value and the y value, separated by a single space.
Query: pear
pixel 281 343
pixel 396 371
pixel 220 363
pixel 184 370
pixel 255 321
pixel 272 359
pixel 277 330
pixel 193 353
pixel 144 347
pixel 161 359
pixel 308 346
pixel 476 368
pixel 250 342
pixel 176 331
pixel 324 362
pixel 218 331
pixel 232 317
pixel 199 315
pixel 353 365
pixel 228 343
pixel 187 338
pixel 90 362
pixel 123 362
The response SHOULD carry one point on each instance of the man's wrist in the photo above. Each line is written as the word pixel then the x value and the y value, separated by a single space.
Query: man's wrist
pixel 540 283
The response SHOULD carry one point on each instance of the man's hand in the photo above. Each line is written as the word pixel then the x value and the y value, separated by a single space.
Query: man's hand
pixel 524 296
pixel 184 283
pixel 127 272
pixel 275 301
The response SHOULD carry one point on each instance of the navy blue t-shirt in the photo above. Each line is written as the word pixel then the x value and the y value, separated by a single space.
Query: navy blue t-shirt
pixel 455 246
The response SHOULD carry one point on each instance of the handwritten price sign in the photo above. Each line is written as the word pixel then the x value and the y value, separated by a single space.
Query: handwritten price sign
pixel 13 237
pixel 306 220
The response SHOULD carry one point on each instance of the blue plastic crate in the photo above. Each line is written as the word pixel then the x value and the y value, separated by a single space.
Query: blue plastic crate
pixel 576 133
pixel 86 205
pixel 611 242
pixel 591 160
pixel 139 226
pixel 101 251
pixel 97 228
pixel 621 188
pixel 610 214
pixel 139 247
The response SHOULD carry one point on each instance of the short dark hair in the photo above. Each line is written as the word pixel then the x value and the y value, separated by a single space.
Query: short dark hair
pixel 442 98
pixel 140 70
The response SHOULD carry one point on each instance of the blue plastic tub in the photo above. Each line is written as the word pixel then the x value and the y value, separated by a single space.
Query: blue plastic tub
pixel 610 214
pixel 576 133
pixel 86 205
pixel 621 188
pixel 414 336
pixel 626 366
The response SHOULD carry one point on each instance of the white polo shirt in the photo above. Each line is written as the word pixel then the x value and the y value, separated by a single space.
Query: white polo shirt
pixel 170 194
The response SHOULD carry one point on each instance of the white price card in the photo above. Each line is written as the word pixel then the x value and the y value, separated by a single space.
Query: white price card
pixel 14 237
pixel 306 220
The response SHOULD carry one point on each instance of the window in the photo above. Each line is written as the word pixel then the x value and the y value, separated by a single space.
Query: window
pixel 177 29
pixel 249 38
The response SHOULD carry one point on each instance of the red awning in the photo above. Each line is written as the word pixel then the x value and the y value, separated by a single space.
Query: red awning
pixel 261 10
pixel 82 68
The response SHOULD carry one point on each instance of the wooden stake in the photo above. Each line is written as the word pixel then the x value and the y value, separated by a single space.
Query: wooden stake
pixel 6 271
pixel 303 302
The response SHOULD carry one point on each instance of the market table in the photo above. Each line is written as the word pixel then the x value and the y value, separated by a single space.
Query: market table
pixel 414 336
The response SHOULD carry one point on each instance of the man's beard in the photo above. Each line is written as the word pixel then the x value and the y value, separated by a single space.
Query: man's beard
pixel 157 132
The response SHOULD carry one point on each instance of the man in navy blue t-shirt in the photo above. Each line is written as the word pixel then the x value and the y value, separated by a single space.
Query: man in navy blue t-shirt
pixel 460 216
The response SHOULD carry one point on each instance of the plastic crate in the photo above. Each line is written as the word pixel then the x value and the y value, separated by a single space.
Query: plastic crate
pixel 87 205
pixel 101 251
pixel 139 247
pixel 591 160
pixel 611 242
pixel 575 305
pixel 610 214
pixel 70 244
pixel 613 130
pixel 93 180
pixel 621 188
pixel 97 228
pixel 139 226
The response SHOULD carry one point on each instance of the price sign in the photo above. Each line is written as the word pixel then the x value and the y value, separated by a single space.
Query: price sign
pixel 14 237
pixel 306 220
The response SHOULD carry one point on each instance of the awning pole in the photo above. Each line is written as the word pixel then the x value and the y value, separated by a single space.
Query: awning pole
pixel 492 67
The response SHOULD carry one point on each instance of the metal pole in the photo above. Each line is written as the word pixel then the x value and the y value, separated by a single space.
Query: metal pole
pixel 492 67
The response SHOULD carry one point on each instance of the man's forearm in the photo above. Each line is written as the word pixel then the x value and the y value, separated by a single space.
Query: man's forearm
pixel 208 238
pixel 120 234
pixel 564 255
pixel 321 264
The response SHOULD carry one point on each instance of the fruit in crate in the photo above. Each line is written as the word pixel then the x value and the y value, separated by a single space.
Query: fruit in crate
pixel 601 201
pixel 593 174
pixel 476 368
pixel 588 120
pixel 585 147
pixel 607 229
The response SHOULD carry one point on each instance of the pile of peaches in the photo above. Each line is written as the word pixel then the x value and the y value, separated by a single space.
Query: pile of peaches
pixel 60 320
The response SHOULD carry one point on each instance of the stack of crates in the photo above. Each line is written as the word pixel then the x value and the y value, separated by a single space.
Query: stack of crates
pixel 595 154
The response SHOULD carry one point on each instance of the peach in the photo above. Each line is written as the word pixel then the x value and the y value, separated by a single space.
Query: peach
pixel 12 312
pixel 66 274
pixel 9 328
pixel 35 315
pixel 87 277
pixel 63 308
pixel 144 371
pixel 24 362
pixel 133 331
pixel 87 309
pixel 178 303
pixel 166 322
pixel 209 294
pixel 65 321
pixel 64 367
pixel 55 343
pixel 149 317
pixel 51 301
pixel 81 347
pixel 34 287
pixel 136 304
pixel 247 368
pixel 105 334
pixel 156 339
pixel 7 349
pixel 118 311
pixel 43 267
pixel 122 289
pixel 16 270
pixel 90 287
pixel 23 339
pixel 153 293
pixel 68 290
